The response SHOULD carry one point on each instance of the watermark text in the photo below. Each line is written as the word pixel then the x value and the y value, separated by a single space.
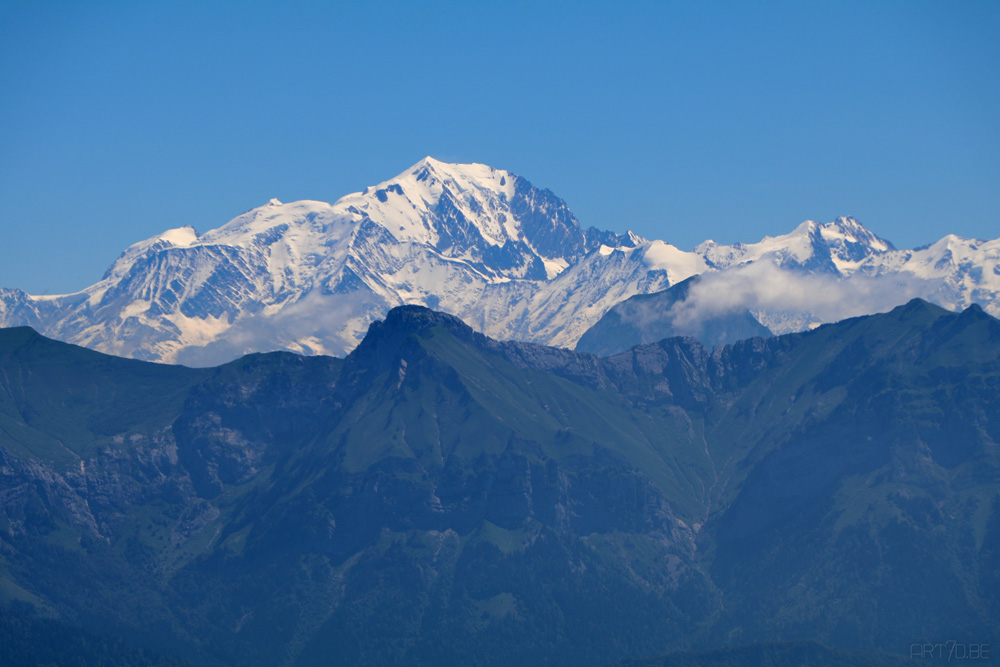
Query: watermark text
pixel 951 651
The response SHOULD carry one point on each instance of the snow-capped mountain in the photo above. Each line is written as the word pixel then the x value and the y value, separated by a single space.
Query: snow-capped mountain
pixel 481 243
pixel 837 247
pixel 310 276
pixel 847 262
pixel 967 271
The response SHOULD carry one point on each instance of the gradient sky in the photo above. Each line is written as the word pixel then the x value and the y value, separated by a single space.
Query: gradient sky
pixel 680 120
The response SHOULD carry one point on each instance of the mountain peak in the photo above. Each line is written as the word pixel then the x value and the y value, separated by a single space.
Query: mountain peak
pixel 846 229
pixel 837 247
pixel 975 312
pixel 15 337
pixel 413 318
pixel 428 161
pixel 918 307
pixel 390 338
pixel 506 227
pixel 456 173
pixel 804 228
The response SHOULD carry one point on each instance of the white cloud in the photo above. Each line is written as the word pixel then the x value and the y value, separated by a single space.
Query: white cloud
pixel 764 287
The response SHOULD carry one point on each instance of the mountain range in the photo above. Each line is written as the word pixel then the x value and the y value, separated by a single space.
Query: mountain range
pixel 484 244
pixel 442 497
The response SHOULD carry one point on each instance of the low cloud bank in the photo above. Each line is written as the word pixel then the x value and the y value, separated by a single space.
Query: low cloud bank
pixel 781 294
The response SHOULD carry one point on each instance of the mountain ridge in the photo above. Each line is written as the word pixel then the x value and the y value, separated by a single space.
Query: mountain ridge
pixel 441 496
pixel 482 243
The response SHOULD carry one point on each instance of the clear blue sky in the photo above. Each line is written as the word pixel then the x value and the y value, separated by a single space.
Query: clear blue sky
pixel 680 120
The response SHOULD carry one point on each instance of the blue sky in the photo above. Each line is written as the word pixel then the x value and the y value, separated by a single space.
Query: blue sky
pixel 680 120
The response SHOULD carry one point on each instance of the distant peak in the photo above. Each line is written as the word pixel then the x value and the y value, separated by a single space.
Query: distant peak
pixel 450 168
pixel 848 224
pixel 847 228
pixel 428 163
pixel 806 227
pixel 635 239
pixel 273 202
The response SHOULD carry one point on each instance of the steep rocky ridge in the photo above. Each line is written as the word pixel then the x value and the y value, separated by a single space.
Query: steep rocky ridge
pixel 440 496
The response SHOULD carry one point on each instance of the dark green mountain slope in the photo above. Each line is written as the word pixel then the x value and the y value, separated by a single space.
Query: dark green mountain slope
pixel 60 402
pixel 875 500
pixel 462 510
pixel 441 498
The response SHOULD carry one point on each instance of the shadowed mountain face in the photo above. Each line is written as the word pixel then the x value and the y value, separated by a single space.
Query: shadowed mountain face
pixel 647 318
pixel 439 497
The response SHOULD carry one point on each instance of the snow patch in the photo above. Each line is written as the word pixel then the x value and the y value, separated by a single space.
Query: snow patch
pixel 134 309
pixel 181 236
pixel 678 264
pixel 553 267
